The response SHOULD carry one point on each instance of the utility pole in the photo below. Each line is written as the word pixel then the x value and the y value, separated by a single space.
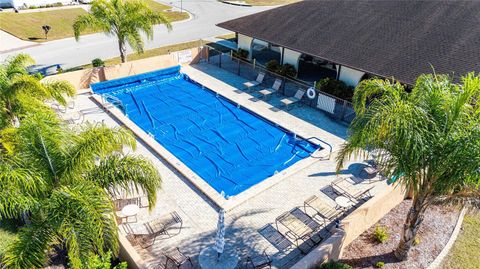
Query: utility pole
pixel 181 5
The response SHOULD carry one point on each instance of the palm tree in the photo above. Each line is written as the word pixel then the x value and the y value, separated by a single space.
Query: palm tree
pixel 428 138
pixel 125 19
pixel 21 93
pixel 63 179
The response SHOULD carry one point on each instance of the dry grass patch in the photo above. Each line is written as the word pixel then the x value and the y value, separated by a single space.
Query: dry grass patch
pixel 28 25
pixel 153 52
pixel 465 252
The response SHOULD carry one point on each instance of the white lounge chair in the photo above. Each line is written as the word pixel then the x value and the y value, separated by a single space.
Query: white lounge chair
pixel 269 91
pixel 256 82
pixel 292 100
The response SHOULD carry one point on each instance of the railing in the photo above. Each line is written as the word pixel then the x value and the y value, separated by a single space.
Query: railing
pixel 107 98
pixel 342 109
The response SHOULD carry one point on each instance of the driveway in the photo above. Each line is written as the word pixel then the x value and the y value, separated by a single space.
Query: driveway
pixel 204 15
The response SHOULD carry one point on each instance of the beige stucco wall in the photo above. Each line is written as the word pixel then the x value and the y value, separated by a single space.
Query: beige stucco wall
pixel 291 57
pixel 245 42
pixel 352 226
pixel 350 76
pixel 82 79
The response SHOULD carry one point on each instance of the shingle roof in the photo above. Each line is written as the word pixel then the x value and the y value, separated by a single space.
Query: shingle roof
pixel 400 39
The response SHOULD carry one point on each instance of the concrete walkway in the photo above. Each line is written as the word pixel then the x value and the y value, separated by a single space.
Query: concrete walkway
pixel 10 43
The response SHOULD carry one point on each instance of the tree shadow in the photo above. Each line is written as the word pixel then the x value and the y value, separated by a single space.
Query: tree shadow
pixel 240 237
pixel 370 261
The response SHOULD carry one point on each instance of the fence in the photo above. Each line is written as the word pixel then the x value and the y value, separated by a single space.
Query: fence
pixel 339 109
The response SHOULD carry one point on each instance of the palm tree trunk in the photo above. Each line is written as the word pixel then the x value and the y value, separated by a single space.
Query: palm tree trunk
pixel 412 224
pixel 123 51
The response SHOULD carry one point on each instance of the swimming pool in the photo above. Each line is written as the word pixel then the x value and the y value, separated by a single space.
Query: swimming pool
pixel 229 147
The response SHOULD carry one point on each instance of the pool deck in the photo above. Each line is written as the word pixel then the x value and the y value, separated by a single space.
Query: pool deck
pixel 245 221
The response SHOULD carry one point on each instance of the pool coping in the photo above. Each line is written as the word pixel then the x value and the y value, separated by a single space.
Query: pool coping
pixel 194 178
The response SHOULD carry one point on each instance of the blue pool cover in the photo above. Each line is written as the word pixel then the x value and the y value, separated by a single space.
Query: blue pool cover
pixel 231 148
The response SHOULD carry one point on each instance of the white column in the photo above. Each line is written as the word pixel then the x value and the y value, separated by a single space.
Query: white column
pixel 350 76
pixel 291 57
pixel 245 42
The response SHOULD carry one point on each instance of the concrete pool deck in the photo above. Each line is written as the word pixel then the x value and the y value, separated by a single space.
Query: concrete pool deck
pixel 245 221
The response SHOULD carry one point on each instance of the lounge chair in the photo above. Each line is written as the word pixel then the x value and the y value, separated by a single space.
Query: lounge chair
pixel 162 224
pixel 259 261
pixel 73 117
pixel 269 91
pixel 274 237
pixel 299 227
pixel 344 187
pixel 177 258
pixel 287 102
pixel 146 236
pixel 321 209
pixel 254 83
pixel 142 202
pixel 63 108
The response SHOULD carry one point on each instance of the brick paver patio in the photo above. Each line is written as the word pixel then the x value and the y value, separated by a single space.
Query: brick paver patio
pixel 249 223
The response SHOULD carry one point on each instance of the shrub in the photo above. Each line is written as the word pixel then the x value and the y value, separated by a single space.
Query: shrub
pixel 97 62
pixel 381 234
pixel 416 242
pixel 104 262
pixel 241 53
pixel 334 265
pixel 336 88
pixel 287 70
pixel 272 66
pixel 380 264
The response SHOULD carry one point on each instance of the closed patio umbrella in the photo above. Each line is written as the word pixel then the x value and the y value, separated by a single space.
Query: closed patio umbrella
pixel 220 236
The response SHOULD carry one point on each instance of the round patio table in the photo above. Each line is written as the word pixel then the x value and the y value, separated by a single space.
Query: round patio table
pixel 208 259
pixel 343 202
pixel 129 211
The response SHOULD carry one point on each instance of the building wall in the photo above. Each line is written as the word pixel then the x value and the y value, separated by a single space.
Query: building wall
pixel 350 76
pixel 291 57
pixel 245 42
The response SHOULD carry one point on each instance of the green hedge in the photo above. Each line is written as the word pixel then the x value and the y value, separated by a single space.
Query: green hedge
pixel 334 265
pixel 336 88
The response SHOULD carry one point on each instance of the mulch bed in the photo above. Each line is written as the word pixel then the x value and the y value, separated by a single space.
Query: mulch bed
pixel 439 222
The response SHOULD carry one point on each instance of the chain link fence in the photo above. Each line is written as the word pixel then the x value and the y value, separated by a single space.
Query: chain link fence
pixel 338 109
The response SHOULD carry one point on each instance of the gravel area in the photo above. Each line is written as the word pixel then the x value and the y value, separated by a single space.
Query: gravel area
pixel 439 222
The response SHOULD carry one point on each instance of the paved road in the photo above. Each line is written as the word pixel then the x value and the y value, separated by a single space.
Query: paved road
pixel 206 13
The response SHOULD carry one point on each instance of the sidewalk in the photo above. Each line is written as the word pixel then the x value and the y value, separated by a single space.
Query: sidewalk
pixel 9 42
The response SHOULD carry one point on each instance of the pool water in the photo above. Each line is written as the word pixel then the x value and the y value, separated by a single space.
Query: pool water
pixel 229 147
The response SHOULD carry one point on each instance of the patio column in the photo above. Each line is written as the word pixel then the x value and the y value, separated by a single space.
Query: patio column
pixel 245 42
pixel 350 76
pixel 291 57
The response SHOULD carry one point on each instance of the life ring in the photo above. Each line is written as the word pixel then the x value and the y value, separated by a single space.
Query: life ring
pixel 311 93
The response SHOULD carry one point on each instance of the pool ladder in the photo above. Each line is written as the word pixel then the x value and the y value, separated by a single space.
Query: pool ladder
pixel 113 100
pixel 320 143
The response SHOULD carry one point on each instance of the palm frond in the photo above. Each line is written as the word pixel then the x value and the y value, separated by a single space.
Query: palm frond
pixel 129 174
pixel 94 142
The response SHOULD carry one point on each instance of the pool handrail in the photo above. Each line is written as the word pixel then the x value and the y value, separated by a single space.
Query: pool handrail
pixel 116 101
pixel 320 142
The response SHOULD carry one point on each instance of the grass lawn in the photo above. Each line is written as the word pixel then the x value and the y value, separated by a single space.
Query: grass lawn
pixel 153 52
pixel 28 26
pixel 465 252
pixel 7 234
pixel 270 2
pixel 227 36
